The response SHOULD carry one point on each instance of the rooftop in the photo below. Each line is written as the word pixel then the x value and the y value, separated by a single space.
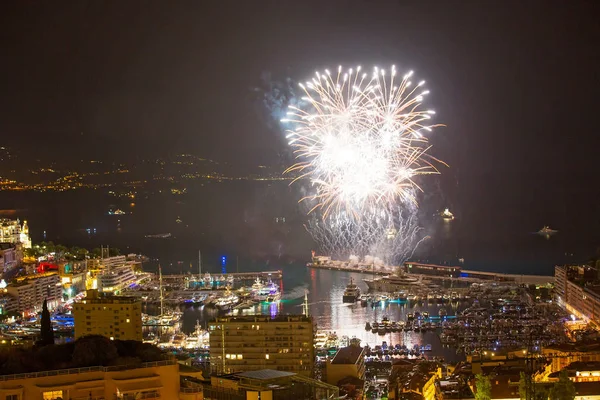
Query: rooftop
pixel 265 374
pixel 348 355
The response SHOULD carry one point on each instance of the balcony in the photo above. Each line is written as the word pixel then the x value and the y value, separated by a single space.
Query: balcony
pixel 137 396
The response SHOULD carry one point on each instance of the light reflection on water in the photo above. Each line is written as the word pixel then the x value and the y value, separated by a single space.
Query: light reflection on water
pixel 331 314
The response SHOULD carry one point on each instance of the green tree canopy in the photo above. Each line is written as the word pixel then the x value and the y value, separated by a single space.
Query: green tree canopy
pixel 483 387
pixel 563 389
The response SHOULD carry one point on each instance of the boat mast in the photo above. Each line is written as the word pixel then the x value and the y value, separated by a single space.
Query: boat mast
pixel 305 305
pixel 199 267
pixel 161 290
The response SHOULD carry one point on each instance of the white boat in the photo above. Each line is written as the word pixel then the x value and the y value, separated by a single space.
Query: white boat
pixel 228 301
pixel 268 292
pixel 392 283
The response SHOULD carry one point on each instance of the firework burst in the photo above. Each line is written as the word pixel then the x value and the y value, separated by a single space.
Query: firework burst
pixel 360 140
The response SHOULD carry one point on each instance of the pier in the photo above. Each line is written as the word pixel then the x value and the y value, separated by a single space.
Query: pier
pixel 465 275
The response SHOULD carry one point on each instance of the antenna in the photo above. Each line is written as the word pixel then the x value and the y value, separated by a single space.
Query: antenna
pixel 199 268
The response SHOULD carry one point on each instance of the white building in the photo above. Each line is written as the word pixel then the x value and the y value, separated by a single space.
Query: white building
pixel 11 231
pixel 113 280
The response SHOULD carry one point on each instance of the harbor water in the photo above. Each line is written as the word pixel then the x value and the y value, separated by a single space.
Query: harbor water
pixel 325 289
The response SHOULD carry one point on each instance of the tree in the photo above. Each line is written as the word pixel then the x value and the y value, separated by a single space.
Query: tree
pixel 523 386
pixel 47 334
pixel 564 388
pixel 483 387
pixel 94 350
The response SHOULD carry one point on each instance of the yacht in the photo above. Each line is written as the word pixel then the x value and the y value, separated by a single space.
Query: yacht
pixel 547 231
pixel 268 292
pixel 392 283
pixel 352 292
pixel 227 302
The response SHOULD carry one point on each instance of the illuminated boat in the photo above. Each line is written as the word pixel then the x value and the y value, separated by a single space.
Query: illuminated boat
pixel 547 231
pixel 446 214
pixel 352 292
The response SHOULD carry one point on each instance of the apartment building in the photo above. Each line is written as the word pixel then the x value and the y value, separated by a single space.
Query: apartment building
pixel 577 290
pixel 114 317
pixel 283 343
pixel 28 295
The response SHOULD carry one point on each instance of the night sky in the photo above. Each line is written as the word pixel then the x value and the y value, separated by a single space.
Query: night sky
pixel 516 82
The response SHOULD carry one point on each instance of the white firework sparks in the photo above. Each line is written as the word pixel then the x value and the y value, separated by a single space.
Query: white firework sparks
pixel 361 139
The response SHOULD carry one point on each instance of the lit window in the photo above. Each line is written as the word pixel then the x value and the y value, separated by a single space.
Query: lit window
pixel 266 356
pixel 53 395
pixel 128 320
pixel 228 356
pixel 240 357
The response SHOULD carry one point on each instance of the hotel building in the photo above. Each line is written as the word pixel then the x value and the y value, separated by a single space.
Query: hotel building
pixel 283 343
pixel 11 231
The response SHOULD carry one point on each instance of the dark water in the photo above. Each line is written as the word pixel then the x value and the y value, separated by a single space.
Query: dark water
pixel 239 220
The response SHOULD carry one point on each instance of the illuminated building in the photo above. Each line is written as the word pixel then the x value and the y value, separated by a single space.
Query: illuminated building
pixel 576 289
pixel 114 279
pixel 154 380
pixel 9 256
pixel 28 293
pixel 348 361
pixel 11 231
pixel 115 317
pixel 284 343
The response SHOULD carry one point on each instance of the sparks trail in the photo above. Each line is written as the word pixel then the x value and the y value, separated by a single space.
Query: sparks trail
pixel 360 140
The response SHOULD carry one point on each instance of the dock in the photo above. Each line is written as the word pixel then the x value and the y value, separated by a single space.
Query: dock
pixel 237 276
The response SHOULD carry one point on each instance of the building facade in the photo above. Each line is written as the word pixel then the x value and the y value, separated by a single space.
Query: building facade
pixel 28 295
pixel 11 231
pixel 576 289
pixel 114 317
pixel 157 380
pixel 284 343
pixel 9 256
